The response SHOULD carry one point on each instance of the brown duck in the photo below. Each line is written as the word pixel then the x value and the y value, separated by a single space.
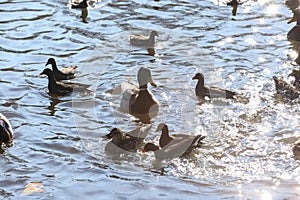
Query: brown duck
pixel 285 89
pixel 65 73
pixel 142 41
pixel 296 149
pixel 6 132
pixel 210 91
pixel 234 4
pixel 178 146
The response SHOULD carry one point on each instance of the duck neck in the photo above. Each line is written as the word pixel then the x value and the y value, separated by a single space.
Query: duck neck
pixel 51 80
pixel 200 87
pixel 165 137
pixel 54 66
pixel 143 87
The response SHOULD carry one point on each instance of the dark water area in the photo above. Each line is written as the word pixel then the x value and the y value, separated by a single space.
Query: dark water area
pixel 59 141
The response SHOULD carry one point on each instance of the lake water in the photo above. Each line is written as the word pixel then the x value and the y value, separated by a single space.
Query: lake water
pixel 59 141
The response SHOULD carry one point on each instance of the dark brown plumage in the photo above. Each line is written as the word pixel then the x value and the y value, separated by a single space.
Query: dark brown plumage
pixel 53 86
pixel 141 41
pixel 292 5
pixel 285 89
pixel 294 33
pixel 210 91
pixel 83 4
pixel 234 4
pixel 65 73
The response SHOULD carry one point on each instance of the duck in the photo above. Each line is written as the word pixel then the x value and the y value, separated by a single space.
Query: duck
pixel 179 145
pixel 292 5
pixel 165 138
pixel 136 135
pixel 296 74
pixel 55 87
pixel 65 73
pixel 81 5
pixel 6 132
pixel 285 89
pixel 294 33
pixel 234 4
pixel 296 149
pixel 142 41
pixel 139 101
pixel 210 91
pixel 124 142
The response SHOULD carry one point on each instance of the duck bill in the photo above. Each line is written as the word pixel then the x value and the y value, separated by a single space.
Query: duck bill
pixel 291 74
pixel 144 151
pixel 293 19
pixel 41 75
pixel 194 78
pixel 152 83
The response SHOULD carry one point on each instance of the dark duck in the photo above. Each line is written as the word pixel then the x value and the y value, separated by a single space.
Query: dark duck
pixel 65 73
pixel 210 91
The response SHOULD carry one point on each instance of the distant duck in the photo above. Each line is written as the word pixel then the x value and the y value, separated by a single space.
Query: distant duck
pixel 292 5
pixel 210 91
pixel 296 73
pixel 294 33
pixel 165 138
pixel 285 89
pixel 65 73
pixel 177 147
pixel 142 41
pixel 83 4
pixel 296 149
pixel 140 102
pixel 6 132
pixel 126 142
pixel 234 4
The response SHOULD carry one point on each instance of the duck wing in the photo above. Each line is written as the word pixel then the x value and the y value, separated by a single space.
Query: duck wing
pixel 216 92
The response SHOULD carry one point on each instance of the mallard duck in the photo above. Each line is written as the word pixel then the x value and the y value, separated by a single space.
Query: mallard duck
pixel 294 33
pixel 165 138
pixel 210 91
pixel 296 73
pixel 292 5
pixel 234 4
pixel 285 89
pixel 178 145
pixel 6 132
pixel 65 73
pixel 142 41
pixel 136 135
pixel 140 102
pixel 296 149
pixel 126 142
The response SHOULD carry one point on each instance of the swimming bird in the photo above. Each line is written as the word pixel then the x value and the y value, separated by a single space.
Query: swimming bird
pixel 142 41
pixel 60 88
pixel 165 138
pixel 140 102
pixel 234 4
pixel 292 5
pixel 296 74
pixel 126 142
pixel 170 147
pixel 285 89
pixel 296 149
pixel 6 131
pixel 210 91
pixel 294 33
pixel 65 73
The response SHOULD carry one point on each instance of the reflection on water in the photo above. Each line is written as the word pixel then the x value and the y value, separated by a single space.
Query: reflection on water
pixel 248 146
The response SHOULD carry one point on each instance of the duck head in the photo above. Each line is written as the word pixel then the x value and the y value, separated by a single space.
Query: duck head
pixel 153 34
pixel 144 77
pixel 51 61
pixel 48 72
pixel 115 132
pixel 150 147
pixel 200 78
pixel 161 126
